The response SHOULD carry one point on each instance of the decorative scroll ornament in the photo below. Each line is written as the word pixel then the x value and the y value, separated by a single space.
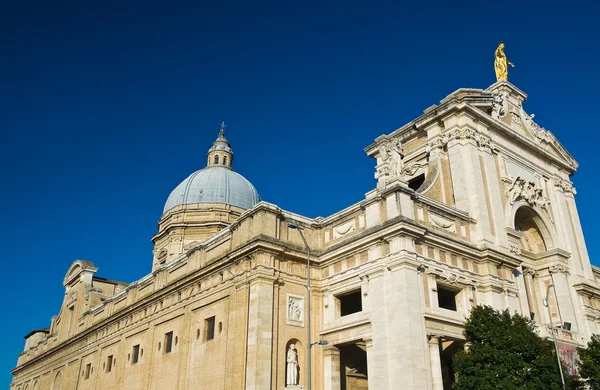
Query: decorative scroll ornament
pixel 529 271
pixel 559 269
pixel 519 188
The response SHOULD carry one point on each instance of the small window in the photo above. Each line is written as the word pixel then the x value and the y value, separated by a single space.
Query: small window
pixel 216 159
pixel 168 342
pixel 416 182
pixel 210 328
pixel 109 363
pixel 135 355
pixel 162 257
pixel 446 298
pixel 350 303
pixel 224 160
pixel 88 369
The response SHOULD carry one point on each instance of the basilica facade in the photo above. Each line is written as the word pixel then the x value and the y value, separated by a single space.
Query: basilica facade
pixel 473 206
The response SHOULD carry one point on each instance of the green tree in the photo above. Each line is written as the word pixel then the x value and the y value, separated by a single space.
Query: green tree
pixel 589 363
pixel 505 352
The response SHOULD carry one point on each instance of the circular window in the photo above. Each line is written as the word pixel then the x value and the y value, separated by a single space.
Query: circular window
pixel 220 327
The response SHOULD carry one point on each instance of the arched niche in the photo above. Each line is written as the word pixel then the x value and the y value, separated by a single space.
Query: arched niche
pixel 301 351
pixel 536 236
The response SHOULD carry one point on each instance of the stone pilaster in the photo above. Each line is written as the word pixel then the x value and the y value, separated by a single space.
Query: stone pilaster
pixel 468 184
pixel 399 345
pixel 260 332
pixel 332 367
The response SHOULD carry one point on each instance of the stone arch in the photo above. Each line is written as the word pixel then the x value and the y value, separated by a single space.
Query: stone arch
pixel 538 233
pixel 300 350
pixel 35 385
pixel 57 384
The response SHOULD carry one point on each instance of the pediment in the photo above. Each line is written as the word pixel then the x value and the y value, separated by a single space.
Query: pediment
pixel 508 109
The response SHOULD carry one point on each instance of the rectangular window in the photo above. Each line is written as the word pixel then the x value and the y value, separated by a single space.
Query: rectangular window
pixel 210 328
pixel 88 368
pixel 446 298
pixel 349 303
pixel 168 342
pixel 109 363
pixel 135 355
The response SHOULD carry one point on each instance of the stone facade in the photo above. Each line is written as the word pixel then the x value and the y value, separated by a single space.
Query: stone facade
pixel 473 205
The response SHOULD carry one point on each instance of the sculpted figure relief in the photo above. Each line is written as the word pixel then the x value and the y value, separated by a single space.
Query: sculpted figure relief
pixel 294 310
pixel 501 63
pixel 391 155
pixel 292 366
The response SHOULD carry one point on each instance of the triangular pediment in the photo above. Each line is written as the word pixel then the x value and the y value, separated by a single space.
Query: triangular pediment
pixel 508 109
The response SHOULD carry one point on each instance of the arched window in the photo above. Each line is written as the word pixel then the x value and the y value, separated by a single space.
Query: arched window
pixel 224 160
pixel 216 159
pixel 162 257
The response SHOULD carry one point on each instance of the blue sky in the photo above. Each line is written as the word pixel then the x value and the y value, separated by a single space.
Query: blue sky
pixel 106 106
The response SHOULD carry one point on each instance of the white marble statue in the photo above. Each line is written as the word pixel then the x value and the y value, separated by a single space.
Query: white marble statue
pixel 292 366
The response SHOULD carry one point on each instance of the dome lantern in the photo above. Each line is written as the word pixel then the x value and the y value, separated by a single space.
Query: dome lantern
pixel 220 153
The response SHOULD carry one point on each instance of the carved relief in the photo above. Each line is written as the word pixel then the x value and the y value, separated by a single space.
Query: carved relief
pixel 391 164
pixel 499 106
pixel 564 186
pixel 411 169
pixel 518 188
pixel 343 229
pixel 515 119
pixel 442 222
pixel 514 249
pixel 295 310
pixel 483 142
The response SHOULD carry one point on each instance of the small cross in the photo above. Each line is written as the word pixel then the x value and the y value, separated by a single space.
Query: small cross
pixel 223 125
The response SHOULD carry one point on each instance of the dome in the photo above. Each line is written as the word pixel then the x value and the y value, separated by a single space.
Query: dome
pixel 214 184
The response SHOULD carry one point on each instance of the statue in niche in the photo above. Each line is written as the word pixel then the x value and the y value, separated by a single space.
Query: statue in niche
pixel 292 366
pixel 501 63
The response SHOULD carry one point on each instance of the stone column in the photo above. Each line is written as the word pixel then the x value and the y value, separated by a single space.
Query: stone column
pixel 260 332
pixel 332 368
pixel 437 382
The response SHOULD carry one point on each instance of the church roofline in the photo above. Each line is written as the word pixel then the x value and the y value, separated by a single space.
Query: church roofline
pixel 41 330
pixel 455 103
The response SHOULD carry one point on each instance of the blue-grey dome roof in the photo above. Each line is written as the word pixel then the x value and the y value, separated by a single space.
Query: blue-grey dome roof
pixel 214 184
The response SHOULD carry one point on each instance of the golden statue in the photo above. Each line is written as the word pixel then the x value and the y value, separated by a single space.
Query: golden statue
pixel 501 63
